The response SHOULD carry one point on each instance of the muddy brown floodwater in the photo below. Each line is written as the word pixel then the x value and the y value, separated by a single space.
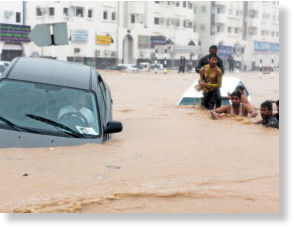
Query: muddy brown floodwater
pixel 168 159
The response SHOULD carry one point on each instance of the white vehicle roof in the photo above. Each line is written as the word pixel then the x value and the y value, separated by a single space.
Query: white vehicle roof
pixel 229 84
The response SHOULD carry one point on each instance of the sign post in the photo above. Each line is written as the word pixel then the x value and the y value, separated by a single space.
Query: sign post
pixel 51 34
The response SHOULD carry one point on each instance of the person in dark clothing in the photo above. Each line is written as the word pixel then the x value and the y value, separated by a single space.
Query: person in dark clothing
pixel 266 112
pixel 277 114
pixel 180 65
pixel 204 61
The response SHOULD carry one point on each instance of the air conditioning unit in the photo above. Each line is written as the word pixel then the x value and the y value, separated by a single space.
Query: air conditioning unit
pixel 8 14
pixel 77 50
pixel 97 53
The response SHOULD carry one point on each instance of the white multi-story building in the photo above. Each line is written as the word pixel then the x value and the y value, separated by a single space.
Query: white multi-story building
pixel 248 31
pixel 107 32
pixel 262 47
pixel 11 30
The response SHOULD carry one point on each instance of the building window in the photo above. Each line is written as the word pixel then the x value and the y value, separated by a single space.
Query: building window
pixel 184 4
pixel 133 18
pixel 236 30
pixel 79 11
pixel 90 13
pixel 157 2
pixel 156 21
pixel 177 4
pixel 51 11
pixel 38 11
pixel 17 19
pixel 113 16
pixel 65 12
pixel 203 9
pixel 229 29
pixel 190 5
pixel 105 16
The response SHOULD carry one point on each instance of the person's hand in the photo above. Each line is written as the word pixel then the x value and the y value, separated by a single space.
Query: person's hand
pixel 214 114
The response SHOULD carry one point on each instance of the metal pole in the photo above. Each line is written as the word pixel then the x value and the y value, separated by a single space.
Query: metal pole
pixel 155 69
pixel 260 64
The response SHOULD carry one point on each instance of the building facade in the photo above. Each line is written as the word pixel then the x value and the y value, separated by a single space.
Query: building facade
pixel 105 33
pixel 245 30
pixel 110 32
pixel 13 33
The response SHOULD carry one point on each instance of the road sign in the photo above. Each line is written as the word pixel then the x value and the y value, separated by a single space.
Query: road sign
pixel 41 34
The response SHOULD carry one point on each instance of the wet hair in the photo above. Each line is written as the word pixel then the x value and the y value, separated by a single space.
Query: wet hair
pixel 268 105
pixel 212 56
pixel 240 87
pixel 213 47
pixel 236 94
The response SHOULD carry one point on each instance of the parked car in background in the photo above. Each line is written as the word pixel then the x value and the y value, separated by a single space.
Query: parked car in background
pixel 123 67
pixel 229 84
pixel 144 66
pixel 128 67
pixel 45 102
pixel 158 66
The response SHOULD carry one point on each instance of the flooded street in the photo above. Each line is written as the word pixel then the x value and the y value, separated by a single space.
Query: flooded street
pixel 167 158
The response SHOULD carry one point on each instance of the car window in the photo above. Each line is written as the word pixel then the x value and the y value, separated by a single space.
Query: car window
pixel 73 108
pixel 245 91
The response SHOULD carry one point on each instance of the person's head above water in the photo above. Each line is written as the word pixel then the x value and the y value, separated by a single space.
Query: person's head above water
pixel 266 109
pixel 236 98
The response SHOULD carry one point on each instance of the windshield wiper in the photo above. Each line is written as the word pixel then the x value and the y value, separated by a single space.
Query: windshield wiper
pixel 56 124
pixel 16 127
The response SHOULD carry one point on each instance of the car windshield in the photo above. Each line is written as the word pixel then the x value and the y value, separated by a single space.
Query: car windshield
pixel 48 109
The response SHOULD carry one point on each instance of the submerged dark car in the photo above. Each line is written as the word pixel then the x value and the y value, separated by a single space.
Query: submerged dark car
pixel 45 102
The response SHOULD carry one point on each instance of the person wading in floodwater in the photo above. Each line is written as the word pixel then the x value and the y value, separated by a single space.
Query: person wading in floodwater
pixel 266 112
pixel 237 108
pixel 210 82
pixel 204 61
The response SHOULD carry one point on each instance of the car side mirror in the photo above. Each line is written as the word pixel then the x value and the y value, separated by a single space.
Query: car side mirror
pixel 113 127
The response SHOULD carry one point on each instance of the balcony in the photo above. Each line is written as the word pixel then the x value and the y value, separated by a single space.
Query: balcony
pixel 254 5
pixel 220 18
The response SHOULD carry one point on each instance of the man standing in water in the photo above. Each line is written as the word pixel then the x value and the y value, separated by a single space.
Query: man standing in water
pixel 204 61
pixel 237 108
pixel 266 112
pixel 210 81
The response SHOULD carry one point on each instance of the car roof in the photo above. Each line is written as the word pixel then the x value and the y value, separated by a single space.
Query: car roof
pixel 228 85
pixel 50 71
